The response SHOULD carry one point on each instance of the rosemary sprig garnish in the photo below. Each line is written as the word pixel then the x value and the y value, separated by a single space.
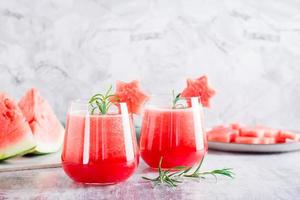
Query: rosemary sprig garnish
pixel 175 100
pixel 165 177
pixel 101 102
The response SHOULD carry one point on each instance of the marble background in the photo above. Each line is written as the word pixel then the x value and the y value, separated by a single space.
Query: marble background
pixel 72 48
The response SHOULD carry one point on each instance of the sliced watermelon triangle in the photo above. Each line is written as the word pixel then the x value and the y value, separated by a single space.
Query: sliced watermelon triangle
pixel 15 134
pixel 48 132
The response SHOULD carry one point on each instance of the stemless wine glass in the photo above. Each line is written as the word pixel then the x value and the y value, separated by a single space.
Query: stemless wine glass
pixel 174 133
pixel 99 149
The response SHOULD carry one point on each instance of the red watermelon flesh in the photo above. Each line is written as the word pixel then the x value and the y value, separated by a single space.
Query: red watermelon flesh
pixel 255 140
pixel 251 132
pixel 47 130
pixel 132 95
pixel 215 137
pixel 261 131
pixel 270 132
pixel 237 126
pixel 285 136
pixel 199 88
pixel 15 134
pixel 222 134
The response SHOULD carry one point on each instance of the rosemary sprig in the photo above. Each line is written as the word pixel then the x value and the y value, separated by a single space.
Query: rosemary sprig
pixel 175 100
pixel 173 179
pixel 164 177
pixel 225 172
pixel 102 102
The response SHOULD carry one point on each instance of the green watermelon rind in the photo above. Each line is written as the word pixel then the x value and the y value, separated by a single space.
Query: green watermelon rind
pixel 48 148
pixel 17 149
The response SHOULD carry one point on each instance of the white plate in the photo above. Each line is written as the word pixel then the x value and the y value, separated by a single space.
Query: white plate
pixel 255 148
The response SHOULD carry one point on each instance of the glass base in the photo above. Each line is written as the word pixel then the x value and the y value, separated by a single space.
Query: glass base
pixel 170 169
pixel 97 184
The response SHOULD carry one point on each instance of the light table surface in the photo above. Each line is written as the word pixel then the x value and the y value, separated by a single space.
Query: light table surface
pixel 258 176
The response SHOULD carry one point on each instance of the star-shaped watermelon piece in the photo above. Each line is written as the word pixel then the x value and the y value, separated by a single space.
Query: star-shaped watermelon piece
pixel 199 88
pixel 132 95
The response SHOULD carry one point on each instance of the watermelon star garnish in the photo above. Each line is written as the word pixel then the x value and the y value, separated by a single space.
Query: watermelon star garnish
pixel 132 95
pixel 199 88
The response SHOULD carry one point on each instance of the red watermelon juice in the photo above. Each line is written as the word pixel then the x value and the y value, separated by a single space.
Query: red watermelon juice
pixel 176 135
pixel 99 149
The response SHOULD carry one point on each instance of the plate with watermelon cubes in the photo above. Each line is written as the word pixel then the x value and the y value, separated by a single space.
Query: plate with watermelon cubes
pixel 256 139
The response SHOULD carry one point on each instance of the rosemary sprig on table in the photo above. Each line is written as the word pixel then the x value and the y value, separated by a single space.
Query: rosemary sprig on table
pixel 102 102
pixel 165 177
pixel 175 100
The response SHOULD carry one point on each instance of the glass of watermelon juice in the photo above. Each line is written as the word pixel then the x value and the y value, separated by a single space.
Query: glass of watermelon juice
pixel 175 134
pixel 99 149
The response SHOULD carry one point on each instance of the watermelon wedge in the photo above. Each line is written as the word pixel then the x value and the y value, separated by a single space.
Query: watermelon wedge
pixel 131 93
pixel 199 88
pixel 46 128
pixel 15 134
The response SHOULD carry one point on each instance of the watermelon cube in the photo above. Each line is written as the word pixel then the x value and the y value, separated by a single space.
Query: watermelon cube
pixel 285 136
pixel 251 132
pixel 255 140
pixel 222 134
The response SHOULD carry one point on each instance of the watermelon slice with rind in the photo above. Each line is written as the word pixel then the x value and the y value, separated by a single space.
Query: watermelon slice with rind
pixel 132 95
pixel 15 134
pixel 199 88
pixel 46 128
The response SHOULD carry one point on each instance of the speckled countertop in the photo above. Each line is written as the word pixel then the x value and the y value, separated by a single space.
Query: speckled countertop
pixel 258 176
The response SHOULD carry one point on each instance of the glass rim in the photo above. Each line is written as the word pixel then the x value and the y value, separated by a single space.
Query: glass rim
pixel 170 95
pixel 84 101
pixel 84 104
pixel 82 107
pixel 108 115
pixel 166 104
pixel 166 108
pixel 80 101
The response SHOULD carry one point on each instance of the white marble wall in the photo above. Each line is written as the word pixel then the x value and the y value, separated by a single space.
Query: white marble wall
pixel 72 48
